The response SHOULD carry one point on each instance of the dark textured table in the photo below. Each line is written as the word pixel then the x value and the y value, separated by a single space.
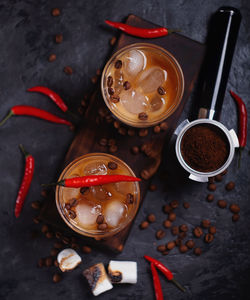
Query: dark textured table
pixel 27 31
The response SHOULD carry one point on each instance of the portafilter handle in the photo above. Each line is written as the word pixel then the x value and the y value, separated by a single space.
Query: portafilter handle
pixel 222 36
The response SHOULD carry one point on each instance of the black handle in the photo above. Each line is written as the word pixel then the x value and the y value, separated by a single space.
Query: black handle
pixel 221 42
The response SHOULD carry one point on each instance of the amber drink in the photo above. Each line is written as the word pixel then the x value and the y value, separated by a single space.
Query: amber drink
pixel 98 211
pixel 142 84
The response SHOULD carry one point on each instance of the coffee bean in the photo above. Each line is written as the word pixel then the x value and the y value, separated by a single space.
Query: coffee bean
pixel 94 79
pixel 36 220
pixel 83 103
pixel 230 186
pixel 175 230
pixel 157 129
pixel 86 249
pixel 68 70
pixel 190 244
pixel 56 278
pixel 129 198
pixel 218 178
pixel 198 232
pixel 131 132
pixel 112 165
pixel 118 64
pixel 49 235
pixel 222 203
pixel 161 90
pixel 186 205
pixel 143 132
pixel 183 228
pixel 58 38
pixel 58 245
pixel 235 217
pixel 114 98
pixel 110 81
pixel 234 208
pixel 205 223
pixel 102 226
pixel 172 217
pixel 160 234
pixel 208 238
pixel 56 264
pixel 144 225
pixel 58 235
pixel 53 252
pixel 100 219
pixel 174 203
pixel 65 240
pixel 126 85
pixel 103 112
pixel 197 251
pixel 98 72
pixel 111 142
pixel 152 187
pixel 109 119
pixel 170 245
pixel 41 262
pixel 111 91
pixel 212 229
pixel 84 190
pixel 45 228
pixel 164 126
pixel 224 172
pixel 210 197
pixel 55 12
pixel 182 235
pixel 211 187
pixel 167 209
pixel 116 124
pixel 113 149
pixel 167 223
pixel 183 248
pixel 161 248
pixel 122 130
pixel 73 202
pixel 142 116
pixel 48 261
pixel 36 205
pixel 112 41
pixel 165 253
pixel 72 214
pixel 52 57
pixel 178 242
pixel 135 150
pixel 103 142
pixel 151 218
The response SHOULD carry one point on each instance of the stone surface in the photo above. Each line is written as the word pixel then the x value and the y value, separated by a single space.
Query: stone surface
pixel 27 39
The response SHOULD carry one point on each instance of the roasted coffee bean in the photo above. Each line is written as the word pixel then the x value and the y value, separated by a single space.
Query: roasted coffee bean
pixel 112 165
pixel 218 178
pixel 49 235
pixel 110 81
pixel 182 235
pixel 190 244
pixel 178 242
pixel 211 187
pixel 103 142
pixel 235 217
pixel 135 150
pixel 224 172
pixel 161 248
pixel 86 249
pixel 73 202
pixel 165 253
pixel 58 235
pixel 175 230
pixel 56 278
pixel 94 79
pixel 170 245
pixel 56 264
pixel 98 72
pixel 234 208
pixel 55 12
pixel 41 262
pixel 83 103
pixel 143 132
pixel 151 218
pixel 167 223
pixel 160 234
pixel 167 209
pixel 102 226
pixel 52 57
pixel 157 129
pixel 117 124
pixel 152 187
pixel 36 220
pixel 230 186
pixel 67 206
pixel 183 248
pixel 109 119
pixel 122 130
pixel 103 112
pixel 186 205
pixel 208 238
pixel 65 240
pixel 172 217
pixel 44 193
pixel 198 232
pixel 222 203
pixel 113 149
pixel 197 251
pixel 58 245
pixel 210 197
pixel 45 228
pixel 131 132
pixel 129 198
pixel 53 252
pixel 111 91
pixel 205 223
pixel 161 90
pixel 84 190
pixel 183 228
pixel 36 205
pixel 58 38
pixel 174 203
pixel 142 116
pixel 111 142
pixel 48 261
pixel 118 64
pixel 164 126
pixel 126 85
pixel 68 70
pixel 72 214
pixel 100 219
pixel 212 229
pixel 112 41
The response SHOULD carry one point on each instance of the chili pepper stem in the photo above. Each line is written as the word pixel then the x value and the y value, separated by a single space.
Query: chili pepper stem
pixel 61 183
pixel 25 153
pixel 173 30
pixel 10 114
pixel 178 285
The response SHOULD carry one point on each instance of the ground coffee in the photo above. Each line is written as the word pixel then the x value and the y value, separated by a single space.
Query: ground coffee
pixel 204 148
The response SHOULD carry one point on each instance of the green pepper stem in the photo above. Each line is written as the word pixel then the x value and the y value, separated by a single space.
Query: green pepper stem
pixel 178 285
pixel 173 30
pixel 10 113
pixel 61 183
pixel 25 153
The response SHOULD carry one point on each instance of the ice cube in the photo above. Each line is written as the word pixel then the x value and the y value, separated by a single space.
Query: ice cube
pixel 99 192
pixel 133 101
pixel 156 103
pixel 151 79
pixel 113 213
pixel 87 213
pixel 118 85
pixel 134 62
pixel 95 168
pixel 124 187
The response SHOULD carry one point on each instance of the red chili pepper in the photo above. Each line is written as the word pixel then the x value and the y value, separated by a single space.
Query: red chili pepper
pixel 51 94
pixel 141 32
pixel 160 266
pixel 157 283
pixel 27 178
pixel 25 110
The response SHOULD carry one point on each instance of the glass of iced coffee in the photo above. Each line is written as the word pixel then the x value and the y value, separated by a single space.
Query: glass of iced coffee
pixel 142 84
pixel 98 211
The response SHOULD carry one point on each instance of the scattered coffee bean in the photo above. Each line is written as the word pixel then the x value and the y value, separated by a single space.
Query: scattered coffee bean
pixel 190 244
pixel 45 228
pixel 83 103
pixel 102 112
pixel 186 205
pixel 118 64
pixel 197 251
pixel 65 240
pixel 174 203
pixel 235 217
pixel 165 253
pixel 143 132
pixel 58 235
pixel 122 130
pixel 144 225
pixel 160 234
pixel 52 57
pixel 230 186
pixel 167 224
pixel 55 12
pixel 210 197
pixel 111 91
pixel 131 132
pixel 178 242
pixel 72 214
pixel 112 41
pixel 102 226
pixel 114 99
pixel 205 223
pixel 135 150
pixel 167 209
pixel 116 124
pixel 157 129
pixel 36 205
pixel 234 208
pixel 170 245
pixel 86 249
pixel 183 248
pixel 113 149
pixel 44 193
pixel 111 142
pixel 212 229
pixel 129 198
pixel 142 116
pixel 84 190
pixel 172 216
pixel 112 165
pixel 103 142
pixel 56 264
pixel 175 230
pixel 161 248
pixel 48 261
pixel 41 263
pixel 49 235
pixel 126 85
pixel 68 70
pixel 57 278
pixel 151 218
pixel 152 187
pixel 218 178
pixel 98 72
pixel 182 235
pixel 224 172
pixel 94 79
pixel 58 245
pixel 208 238
pixel 58 38
pixel 54 252
pixel 222 203
pixel 183 228
pixel 36 220
pixel 110 81
pixel 161 90
pixel 100 219
pixel 211 187
pixel 198 232
pixel 109 119
pixel 164 126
